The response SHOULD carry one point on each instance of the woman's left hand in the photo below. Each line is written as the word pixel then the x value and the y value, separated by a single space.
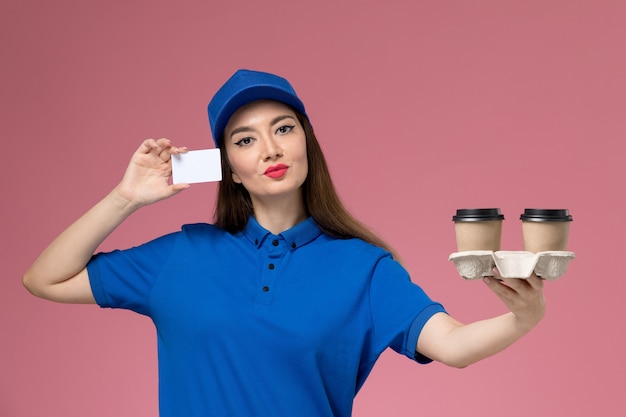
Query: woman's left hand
pixel 524 297
pixel 449 341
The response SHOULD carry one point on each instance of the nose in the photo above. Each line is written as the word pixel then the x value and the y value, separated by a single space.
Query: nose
pixel 271 149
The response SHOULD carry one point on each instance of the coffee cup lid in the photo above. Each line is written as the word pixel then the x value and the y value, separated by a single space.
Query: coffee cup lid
pixel 477 215
pixel 546 215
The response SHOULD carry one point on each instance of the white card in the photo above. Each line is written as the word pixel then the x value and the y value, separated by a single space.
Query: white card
pixel 197 166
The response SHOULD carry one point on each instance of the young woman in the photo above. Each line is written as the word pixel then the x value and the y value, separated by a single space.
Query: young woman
pixel 283 305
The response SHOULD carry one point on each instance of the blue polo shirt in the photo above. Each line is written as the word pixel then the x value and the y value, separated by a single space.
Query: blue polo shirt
pixel 257 324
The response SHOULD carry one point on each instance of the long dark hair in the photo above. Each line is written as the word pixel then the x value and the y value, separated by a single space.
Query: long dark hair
pixel 321 201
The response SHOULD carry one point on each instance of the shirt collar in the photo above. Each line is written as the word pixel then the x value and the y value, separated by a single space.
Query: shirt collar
pixel 299 235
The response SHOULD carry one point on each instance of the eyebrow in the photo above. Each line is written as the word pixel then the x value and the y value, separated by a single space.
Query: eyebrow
pixel 272 122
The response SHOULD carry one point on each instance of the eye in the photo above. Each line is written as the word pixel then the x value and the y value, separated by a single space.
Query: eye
pixel 244 141
pixel 284 129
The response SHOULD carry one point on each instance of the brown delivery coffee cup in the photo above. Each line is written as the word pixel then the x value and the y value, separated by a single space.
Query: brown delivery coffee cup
pixel 545 229
pixel 478 229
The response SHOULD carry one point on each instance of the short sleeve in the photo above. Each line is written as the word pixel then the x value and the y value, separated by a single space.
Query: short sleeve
pixel 124 278
pixel 400 309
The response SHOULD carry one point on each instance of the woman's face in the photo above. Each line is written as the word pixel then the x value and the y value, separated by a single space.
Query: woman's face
pixel 266 148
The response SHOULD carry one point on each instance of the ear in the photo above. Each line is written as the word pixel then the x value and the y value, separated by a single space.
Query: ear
pixel 235 177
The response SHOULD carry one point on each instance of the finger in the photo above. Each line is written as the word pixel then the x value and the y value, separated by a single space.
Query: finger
pixel 147 146
pixel 517 283
pixel 500 288
pixel 535 282
pixel 163 143
pixel 496 273
pixel 163 148
pixel 523 285
pixel 180 187
pixel 166 154
pixel 176 150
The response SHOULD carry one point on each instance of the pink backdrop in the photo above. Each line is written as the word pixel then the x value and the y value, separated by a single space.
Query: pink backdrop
pixel 422 107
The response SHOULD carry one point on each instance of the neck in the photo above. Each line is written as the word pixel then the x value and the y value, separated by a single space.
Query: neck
pixel 278 216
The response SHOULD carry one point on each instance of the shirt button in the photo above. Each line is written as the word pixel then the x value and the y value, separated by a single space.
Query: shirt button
pixel 275 242
pixel 266 288
pixel 293 245
pixel 271 266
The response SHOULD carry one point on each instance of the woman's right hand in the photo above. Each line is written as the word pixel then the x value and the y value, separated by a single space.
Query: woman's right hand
pixel 60 272
pixel 147 178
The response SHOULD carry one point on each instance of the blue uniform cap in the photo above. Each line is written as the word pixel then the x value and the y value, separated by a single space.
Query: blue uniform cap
pixel 244 87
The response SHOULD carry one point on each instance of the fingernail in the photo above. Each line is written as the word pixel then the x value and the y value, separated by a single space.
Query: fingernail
pixel 487 280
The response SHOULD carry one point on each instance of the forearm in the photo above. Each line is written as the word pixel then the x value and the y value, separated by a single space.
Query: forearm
pixel 475 341
pixel 70 252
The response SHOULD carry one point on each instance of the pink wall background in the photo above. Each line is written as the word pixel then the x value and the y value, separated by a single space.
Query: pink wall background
pixel 421 107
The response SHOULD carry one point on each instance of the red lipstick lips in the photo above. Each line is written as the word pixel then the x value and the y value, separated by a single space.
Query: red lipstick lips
pixel 276 171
